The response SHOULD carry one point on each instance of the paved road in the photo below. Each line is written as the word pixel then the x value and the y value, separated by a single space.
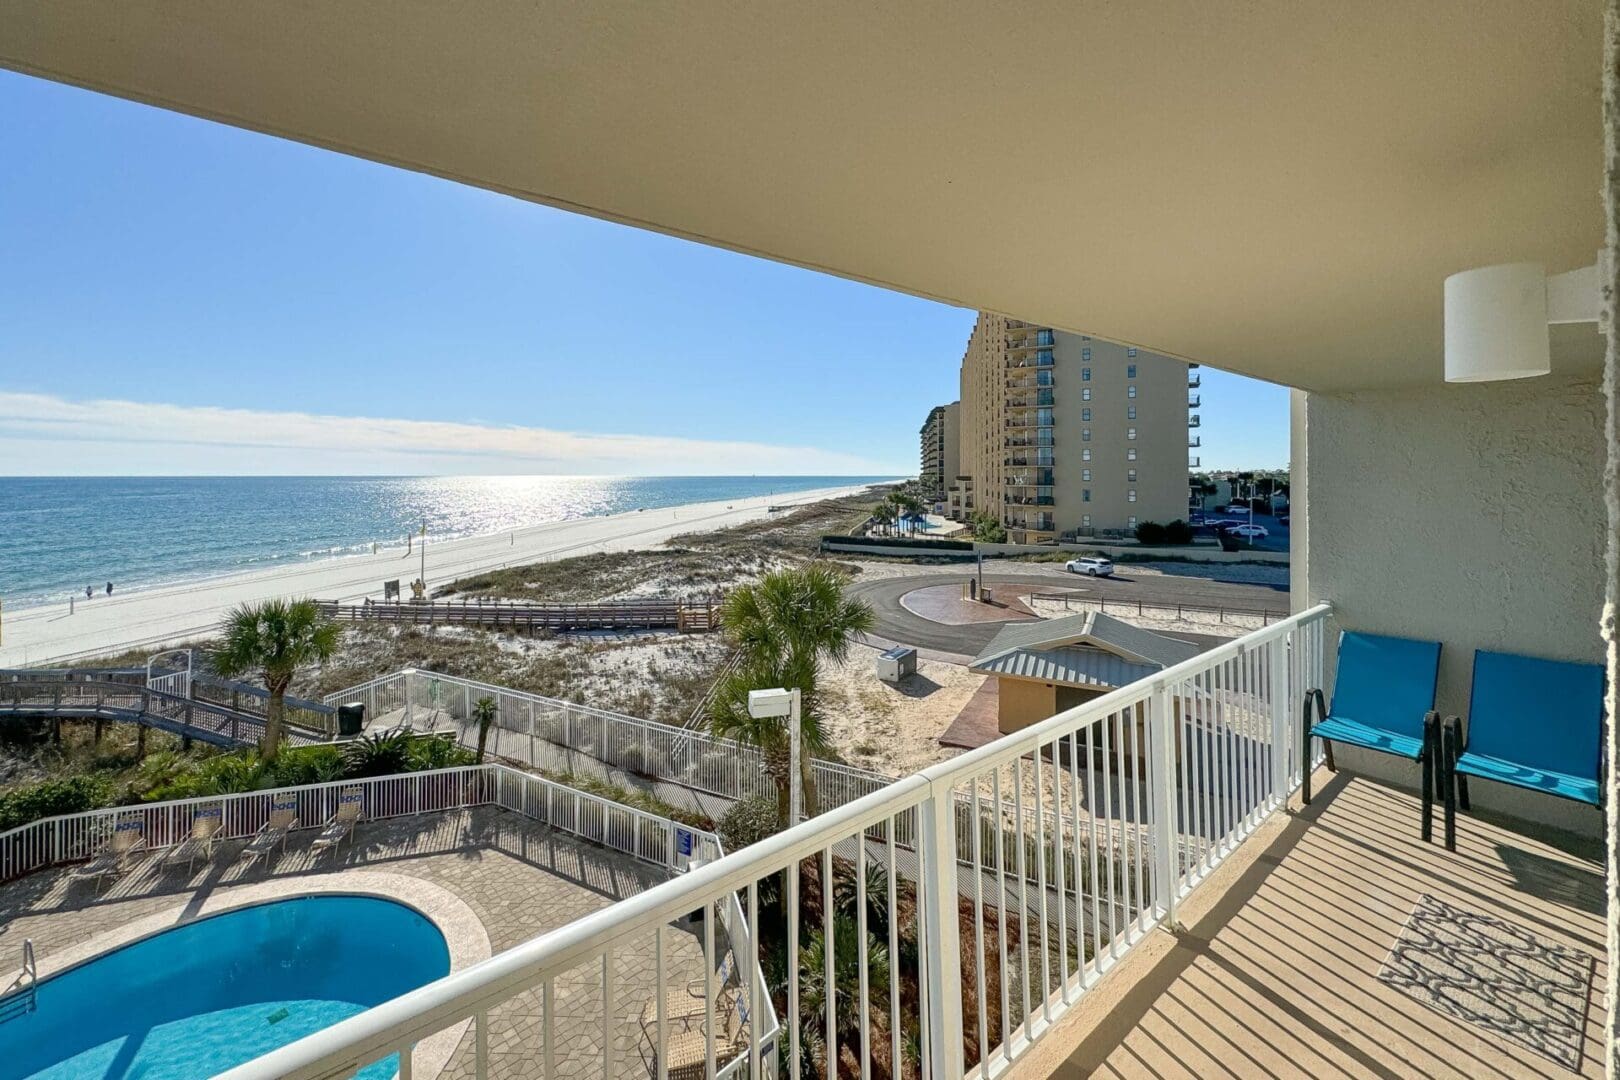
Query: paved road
pixel 896 623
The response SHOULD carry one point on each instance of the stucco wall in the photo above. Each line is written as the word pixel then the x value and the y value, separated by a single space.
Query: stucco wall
pixel 1022 702
pixel 1469 514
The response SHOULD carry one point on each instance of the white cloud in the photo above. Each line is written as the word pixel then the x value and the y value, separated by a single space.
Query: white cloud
pixel 41 434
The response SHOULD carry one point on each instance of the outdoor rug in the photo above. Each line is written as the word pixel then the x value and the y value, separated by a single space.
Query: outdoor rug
pixel 1495 975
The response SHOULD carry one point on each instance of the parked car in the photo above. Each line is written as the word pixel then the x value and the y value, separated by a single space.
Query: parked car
pixel 1236 508
pixel 1091 565
pixel 1249 532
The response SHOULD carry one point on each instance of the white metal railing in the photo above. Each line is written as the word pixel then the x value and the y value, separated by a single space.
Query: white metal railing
pixel 691 758
pixel 1119 808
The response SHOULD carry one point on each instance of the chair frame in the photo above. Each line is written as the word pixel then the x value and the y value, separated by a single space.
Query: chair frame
pixel 1429 761
pixel 1454 784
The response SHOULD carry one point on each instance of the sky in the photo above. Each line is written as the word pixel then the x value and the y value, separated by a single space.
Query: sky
pixel 182 297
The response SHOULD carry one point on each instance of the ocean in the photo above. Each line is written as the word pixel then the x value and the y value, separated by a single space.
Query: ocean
pixel 59 534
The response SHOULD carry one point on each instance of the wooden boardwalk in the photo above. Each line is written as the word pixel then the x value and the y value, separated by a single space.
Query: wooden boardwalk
pixel 686 616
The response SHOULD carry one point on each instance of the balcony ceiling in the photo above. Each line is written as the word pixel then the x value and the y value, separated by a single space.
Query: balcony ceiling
pixel 1277 187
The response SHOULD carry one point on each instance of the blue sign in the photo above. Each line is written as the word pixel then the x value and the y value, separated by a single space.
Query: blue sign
pixel 683 841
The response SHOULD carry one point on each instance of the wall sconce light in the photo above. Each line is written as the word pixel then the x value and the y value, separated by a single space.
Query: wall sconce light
pixel 1497 318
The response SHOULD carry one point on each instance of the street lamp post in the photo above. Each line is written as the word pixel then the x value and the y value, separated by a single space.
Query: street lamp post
pixel 777 703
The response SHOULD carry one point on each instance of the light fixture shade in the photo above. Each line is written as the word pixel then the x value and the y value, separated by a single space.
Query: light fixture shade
pixel 1496 323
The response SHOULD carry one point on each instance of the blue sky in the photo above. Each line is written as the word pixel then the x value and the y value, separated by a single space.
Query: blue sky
pixel 177 296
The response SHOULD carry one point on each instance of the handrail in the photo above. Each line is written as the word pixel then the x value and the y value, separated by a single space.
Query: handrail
pixel 1273 660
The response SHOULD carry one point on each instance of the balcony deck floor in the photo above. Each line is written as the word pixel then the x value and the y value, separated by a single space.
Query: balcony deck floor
pixel 1276 972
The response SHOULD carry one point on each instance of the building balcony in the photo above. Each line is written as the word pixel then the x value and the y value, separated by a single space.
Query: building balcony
pixel 1193 462
pixel 1194 400
pixel 1195 440
pixel 1032 358
pixel 1024 419
pixel 1030 399
pixel 1019 461
pixel 1030 500
pixel 1194 421
pixel 1029 382
pixel 1194 380
pixel 1019 442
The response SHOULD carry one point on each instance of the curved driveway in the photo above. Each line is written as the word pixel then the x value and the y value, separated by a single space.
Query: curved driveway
pixel 896 623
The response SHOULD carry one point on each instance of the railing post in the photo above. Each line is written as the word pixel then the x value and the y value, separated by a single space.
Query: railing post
pixel 942 945
pixel 1161 727
pixel 1277 661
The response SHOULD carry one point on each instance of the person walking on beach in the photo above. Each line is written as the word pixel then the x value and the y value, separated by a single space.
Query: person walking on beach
pixel 109 588
pixel 89 591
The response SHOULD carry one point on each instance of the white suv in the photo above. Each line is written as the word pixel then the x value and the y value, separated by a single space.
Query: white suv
pixel 1094 565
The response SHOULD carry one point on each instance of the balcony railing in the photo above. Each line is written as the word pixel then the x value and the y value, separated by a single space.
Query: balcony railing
pixel 1195 440
pixel 1030 399
pixel 1194 380
pixel 1084 832
pixel 1193 462
pixel 1194 400
pixel 1194 421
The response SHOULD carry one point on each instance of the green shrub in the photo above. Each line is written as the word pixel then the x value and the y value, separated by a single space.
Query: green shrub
pixel 48 798
pixel 380 754
pixel 1178 532
pixel 437 754
pixel 748 822
pixel 1150 532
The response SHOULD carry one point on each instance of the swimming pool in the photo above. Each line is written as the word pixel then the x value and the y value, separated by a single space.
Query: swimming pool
pixel 200 998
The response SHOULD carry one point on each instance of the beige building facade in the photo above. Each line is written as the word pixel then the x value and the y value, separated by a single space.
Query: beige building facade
pixel 940 450
pixel 1064 435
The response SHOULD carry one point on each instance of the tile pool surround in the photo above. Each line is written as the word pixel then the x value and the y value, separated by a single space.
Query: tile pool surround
pixel 464 934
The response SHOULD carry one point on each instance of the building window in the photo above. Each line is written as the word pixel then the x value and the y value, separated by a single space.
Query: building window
pixel 1085 354
pixel 1130 455
pixel 1130 496
pixel 1085 393
pixel 1131 391
pixel 1085 520
pixel 1085 434
pixel 1085 475
pixel 1085 374
pixel 1130 433
pixel 1085 415
pixel 1085 455
pixel 1130 412
pixel 1085 494
pixel 1131 521
pixel 1130 475
pixel 1130 371
pixel 1131 353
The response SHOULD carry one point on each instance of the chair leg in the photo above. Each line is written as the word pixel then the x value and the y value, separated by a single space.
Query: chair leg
pixel 1462 791
pixel 1305 755
pixel 1426 762
pixel 1448 778
pixel 1327 747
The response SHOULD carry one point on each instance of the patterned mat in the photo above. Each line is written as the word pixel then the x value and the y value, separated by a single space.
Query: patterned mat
pixel 1495 975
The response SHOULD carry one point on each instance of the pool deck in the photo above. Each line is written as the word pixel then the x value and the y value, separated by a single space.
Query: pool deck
pixel 518 877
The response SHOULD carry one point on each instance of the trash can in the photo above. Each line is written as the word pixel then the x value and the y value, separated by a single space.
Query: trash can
pixel 351 718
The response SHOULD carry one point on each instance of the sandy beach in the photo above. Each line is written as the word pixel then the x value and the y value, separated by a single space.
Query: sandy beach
pixel 49 633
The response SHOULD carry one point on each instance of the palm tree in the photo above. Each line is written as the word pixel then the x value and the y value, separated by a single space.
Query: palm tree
pixel 883 514
pixel 781 627
pixel 273 640
pixel 484 710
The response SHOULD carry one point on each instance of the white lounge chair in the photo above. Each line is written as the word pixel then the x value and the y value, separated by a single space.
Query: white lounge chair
pixel 127 840
pixel 273 833
pixel 340 826
pixel 205 826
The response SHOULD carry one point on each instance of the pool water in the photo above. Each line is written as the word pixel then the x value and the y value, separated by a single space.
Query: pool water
pixel 212 994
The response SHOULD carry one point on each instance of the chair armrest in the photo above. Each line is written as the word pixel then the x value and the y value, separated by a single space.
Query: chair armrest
pixel 1314 696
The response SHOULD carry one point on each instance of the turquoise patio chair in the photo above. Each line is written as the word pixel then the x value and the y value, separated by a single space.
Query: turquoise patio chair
pixel 1383 700
pixel 1532 723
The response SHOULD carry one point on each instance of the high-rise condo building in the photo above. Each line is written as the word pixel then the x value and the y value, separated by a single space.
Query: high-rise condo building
pixel 940 450
pixel 1064 435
